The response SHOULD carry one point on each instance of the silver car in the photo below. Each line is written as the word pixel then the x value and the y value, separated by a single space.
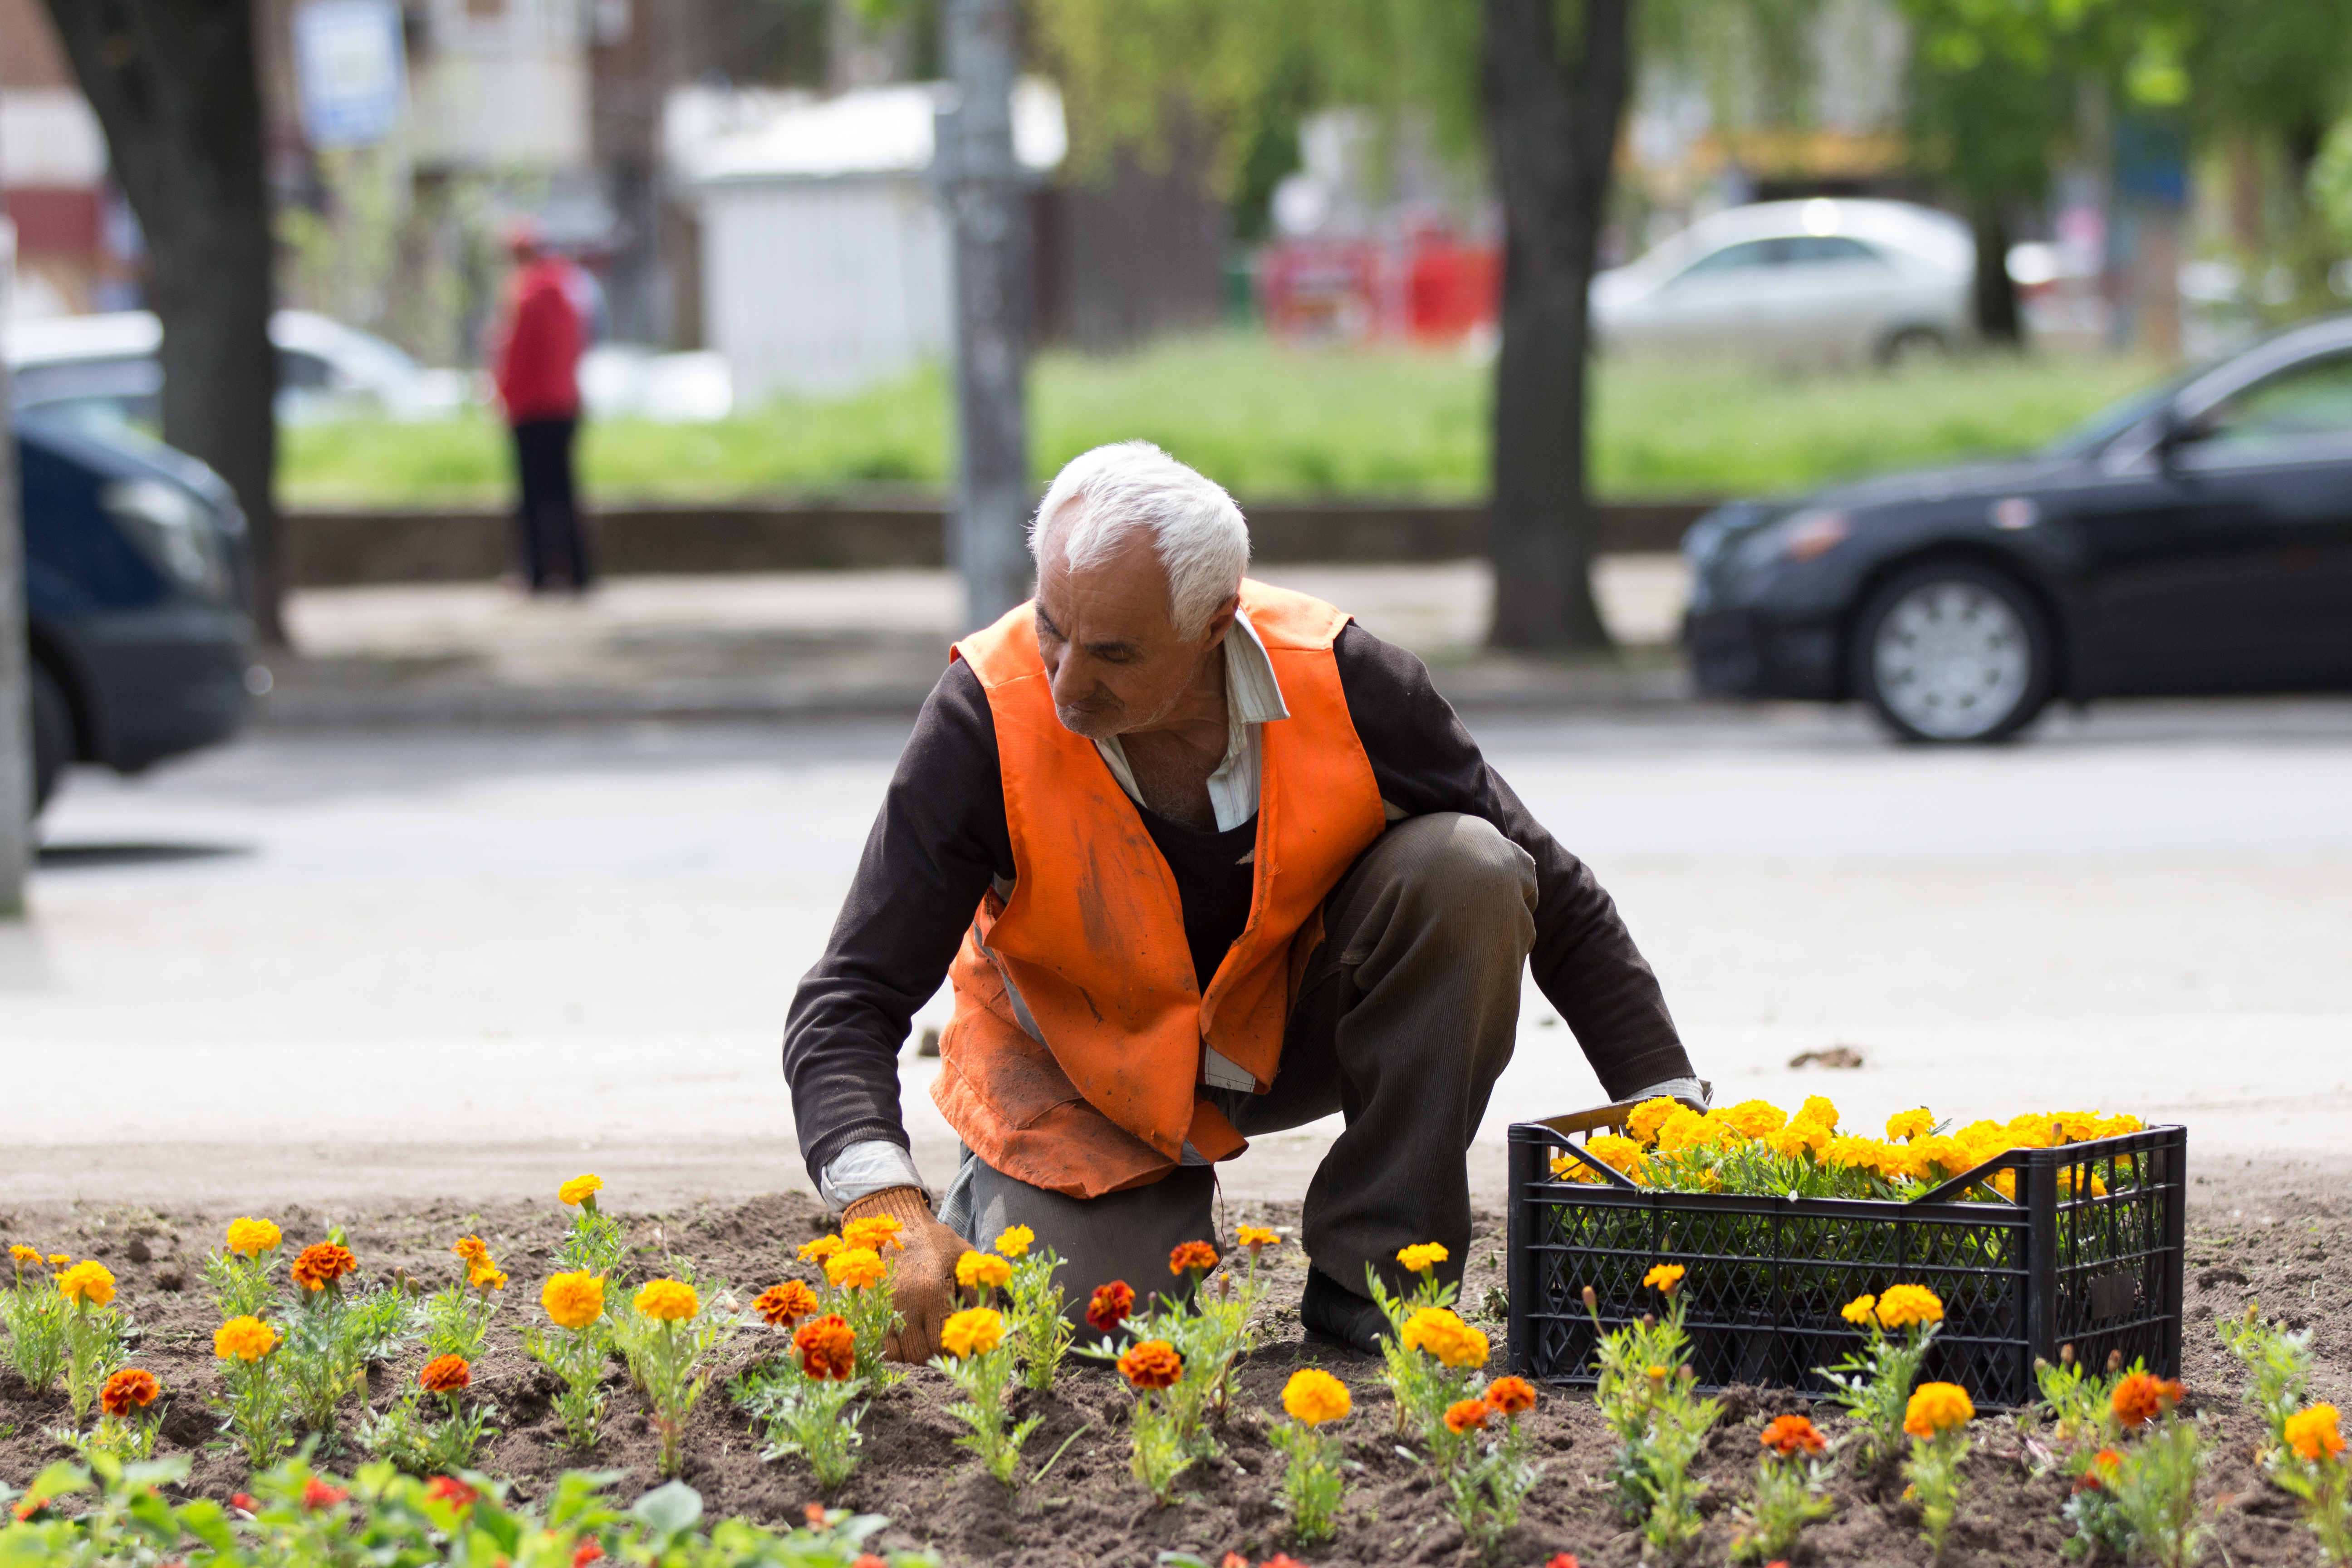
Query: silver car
pixel 1818 282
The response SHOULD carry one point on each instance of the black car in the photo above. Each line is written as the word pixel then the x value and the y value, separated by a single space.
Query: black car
pixel 133 578
pixel 2196 538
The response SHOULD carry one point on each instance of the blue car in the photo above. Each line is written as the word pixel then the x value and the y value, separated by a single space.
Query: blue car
pixel 135 579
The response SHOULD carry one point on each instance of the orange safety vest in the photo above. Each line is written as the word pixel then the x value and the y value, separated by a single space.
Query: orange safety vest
pixel 1074 1060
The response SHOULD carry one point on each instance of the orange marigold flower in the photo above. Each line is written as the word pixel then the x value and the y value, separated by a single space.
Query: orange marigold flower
pixel 1313 1396
pixel 590 1551
pixel 784 1305
pixel 1256 1235
pixel 2312 1433
pixel 1154 1363
pixel 244 1339
pixel 855 1269
pixel 317 1494
pixel 1192 1255
pixel 1511 1396
pixel 581 1190
pixel 978 1269
pixel 823 1247
pixel 572 1301
pixel 1936 1408
pixel 669 1300
pixel 488 1277
pixel 1422 1257
pixel 1467 1416
pixel 1109 1305
pixel 87 1283
pixel 975 1331
pixel 874 1233
pixel 127 1391
pixel 444 1375
pixel 2143 1396
pixel 828 1347
pixel 250 1238
pixel 25 1257
pixel 473 1249
pixel 1792 1435
pixel 1444 1335
pixel 451 1491
pixel 1664 1276
pixel 320 1266
pixel 1900 1306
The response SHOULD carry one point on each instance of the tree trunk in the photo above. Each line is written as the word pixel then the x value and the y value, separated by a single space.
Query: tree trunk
pixel 1551 128
pixel 988 211
pixel 174 86
pixel 1995 291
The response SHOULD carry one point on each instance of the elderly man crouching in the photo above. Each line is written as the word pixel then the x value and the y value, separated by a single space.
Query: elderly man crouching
pixel 1201 859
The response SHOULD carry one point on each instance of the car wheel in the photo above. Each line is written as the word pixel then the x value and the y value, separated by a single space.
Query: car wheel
pixel 1953 652
pixel 53 735
pixel 1912 345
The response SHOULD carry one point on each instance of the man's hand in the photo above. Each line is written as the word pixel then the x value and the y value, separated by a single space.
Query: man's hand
pixel 925 1292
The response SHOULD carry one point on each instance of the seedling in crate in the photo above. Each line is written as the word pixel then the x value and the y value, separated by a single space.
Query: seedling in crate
pixel 1791 1483
pixel 1312 1484
pixel 2312 1466
pixel 1936 1419
pixel 1649 1399
pixel 35 1314
pixel 258 1409
pixel 813 1408
pixel 243 1277
pixel 574 1352
pixel 1875 1384
pixel 94 1333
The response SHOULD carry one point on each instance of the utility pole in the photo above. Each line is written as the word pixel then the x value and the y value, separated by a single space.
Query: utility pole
pixel 15 695
pixel 986 200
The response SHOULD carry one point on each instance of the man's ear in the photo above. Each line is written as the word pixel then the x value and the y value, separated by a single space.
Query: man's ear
pixel 1221 621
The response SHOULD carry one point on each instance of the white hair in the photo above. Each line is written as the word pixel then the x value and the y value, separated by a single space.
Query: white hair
pixel 1130 486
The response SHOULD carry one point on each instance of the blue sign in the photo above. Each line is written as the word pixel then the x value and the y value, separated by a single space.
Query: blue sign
pixel 350 69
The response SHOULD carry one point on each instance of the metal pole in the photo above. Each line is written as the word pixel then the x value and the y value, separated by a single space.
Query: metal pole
pixel 987 211
pixel 16 696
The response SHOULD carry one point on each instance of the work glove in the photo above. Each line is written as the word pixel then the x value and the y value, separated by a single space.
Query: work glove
pixel 925 1289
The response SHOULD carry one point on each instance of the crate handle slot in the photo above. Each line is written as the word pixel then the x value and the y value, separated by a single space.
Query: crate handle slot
pixel 1613 1178
pixel 1960 1185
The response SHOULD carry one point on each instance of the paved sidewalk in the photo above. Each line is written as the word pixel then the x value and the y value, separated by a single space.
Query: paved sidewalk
pixel 777 644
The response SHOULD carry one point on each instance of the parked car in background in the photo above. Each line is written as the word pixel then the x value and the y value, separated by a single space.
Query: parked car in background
pixel 1823 281
pixel 2194 539
pixel 134 577
pixel 105 365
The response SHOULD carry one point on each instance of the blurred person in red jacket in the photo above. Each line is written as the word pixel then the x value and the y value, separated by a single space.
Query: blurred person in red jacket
pixel 536 364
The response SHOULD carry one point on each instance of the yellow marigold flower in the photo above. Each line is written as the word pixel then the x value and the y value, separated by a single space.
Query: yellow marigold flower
pixel 855 1269
pixel 975 1331
pixel 1422 1257
pixel 978 1269
pixel 249 1238
pixel 1851 1153
pixel 1906 1125
pixel 486 1276
pixel 1016 1240
pixel 1621 1154
pixel 25 1256
pixel 1664 1276
pixel 574 1301
pixel 580 1190
pixel 244 1339
pixel 1313 1396
pixel 1686 1129
pixel 1936 1408
pixel 2078 1126
pixel 2312 1433
pixel 1945 1157
pixel 473 1249
pixel 823 1247
pixel 669 1300
pixel 873 1233
pixel 1900 1306
pixel 2032 1130
pixel 1445 1336
pixel 1642 1124
pixel 1801 1138
pixel 2005 1184
pixel 1256 1235
pixel 1861 1311
pixel 1754 1117
pixel 59 1260
pixel 89 1283
pixel 2116 1126
pixel 1819 1111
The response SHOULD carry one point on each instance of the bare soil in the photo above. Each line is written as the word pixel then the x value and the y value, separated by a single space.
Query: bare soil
pixel 2291 1250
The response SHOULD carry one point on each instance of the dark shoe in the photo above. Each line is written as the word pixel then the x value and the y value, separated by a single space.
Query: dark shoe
pixel 1334 1315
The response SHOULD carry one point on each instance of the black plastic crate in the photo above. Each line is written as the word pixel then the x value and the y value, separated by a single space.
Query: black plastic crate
pixel 2062 1265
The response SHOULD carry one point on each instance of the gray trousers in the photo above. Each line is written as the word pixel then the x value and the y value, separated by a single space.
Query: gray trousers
pixel 1406 1016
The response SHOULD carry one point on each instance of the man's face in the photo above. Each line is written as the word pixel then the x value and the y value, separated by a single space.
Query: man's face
pixel 1110 650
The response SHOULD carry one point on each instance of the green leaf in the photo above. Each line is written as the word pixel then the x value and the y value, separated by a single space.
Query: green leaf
pixel 670 1511
pixel 61 1480
pixel 208 1523
pixel 157 1472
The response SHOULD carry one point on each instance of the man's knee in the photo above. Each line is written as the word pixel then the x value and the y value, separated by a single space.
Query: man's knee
pixel 1463 865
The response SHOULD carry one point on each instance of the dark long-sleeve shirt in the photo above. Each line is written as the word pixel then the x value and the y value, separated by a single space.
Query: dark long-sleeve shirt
pixel 942 837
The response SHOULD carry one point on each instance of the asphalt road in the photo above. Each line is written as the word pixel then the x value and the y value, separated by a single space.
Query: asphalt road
pixel 341 970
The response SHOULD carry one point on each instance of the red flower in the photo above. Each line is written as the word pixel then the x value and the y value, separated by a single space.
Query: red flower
pixel 1154 1363
pixel 867 1560
pixel 1467 1415
pixel 128 1389
pixel 814 1513
pixel 2143 1396
pixel 322 1266
pixel 1789 1436
pixel 451 1491
pixel 317 1493
pixel 29 1507
pixel 1235 1560
pixel 1283 1560
pixel 1109 1305
pixel 781 1306
pixel 245 1500
pixel 1568 1560
pixel 828 1347
pixel 1192 1255
pixel 1511 1396
pixel 444 1375
pixel 590 1551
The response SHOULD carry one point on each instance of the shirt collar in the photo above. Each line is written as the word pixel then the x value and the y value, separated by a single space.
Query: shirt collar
pixel 1253 696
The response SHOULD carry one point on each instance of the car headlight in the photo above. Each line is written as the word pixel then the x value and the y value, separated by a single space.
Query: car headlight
pixel 1800 536
pixel 174 528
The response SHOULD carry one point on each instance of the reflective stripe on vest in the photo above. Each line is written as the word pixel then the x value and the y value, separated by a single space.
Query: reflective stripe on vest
pixel 1072 1060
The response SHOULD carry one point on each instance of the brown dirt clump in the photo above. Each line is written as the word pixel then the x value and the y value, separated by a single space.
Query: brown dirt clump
pixel 1087 1509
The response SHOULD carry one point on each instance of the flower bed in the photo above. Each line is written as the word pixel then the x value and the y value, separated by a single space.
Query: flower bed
pixel 2030 1247
pixel 1088 1506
